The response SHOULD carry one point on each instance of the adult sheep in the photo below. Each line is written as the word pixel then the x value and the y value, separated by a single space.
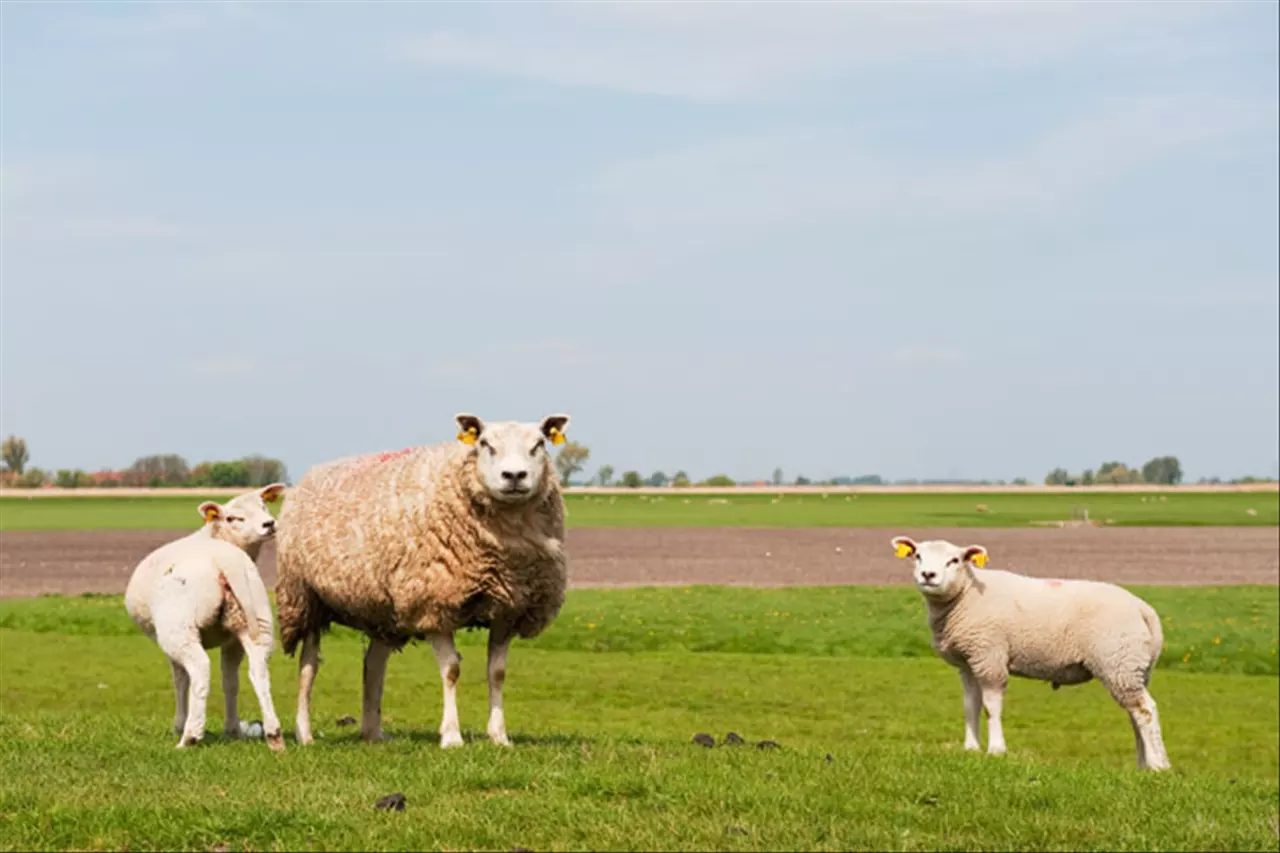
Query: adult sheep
pixel 993 624
pixel 203 591
pixel 420 544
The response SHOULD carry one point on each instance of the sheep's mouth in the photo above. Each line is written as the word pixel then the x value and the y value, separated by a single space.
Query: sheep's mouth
pixel 515 491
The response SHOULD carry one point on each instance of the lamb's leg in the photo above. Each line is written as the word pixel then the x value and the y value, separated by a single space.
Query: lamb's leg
pixel 195 661
pixel 181 683
pixel 450 667
pixel 375 673
pixel 993 701
pixel 232 654
pixel 260 678
pixel 308 664
pixel 499 643
pixel 972 709
pixel 1138 743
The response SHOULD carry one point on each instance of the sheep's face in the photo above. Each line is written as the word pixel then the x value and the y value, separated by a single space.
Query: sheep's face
pixel 941 569
pixel 511 457
pixel 244 521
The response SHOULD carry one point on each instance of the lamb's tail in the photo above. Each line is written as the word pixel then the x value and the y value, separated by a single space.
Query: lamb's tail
pixel 244 583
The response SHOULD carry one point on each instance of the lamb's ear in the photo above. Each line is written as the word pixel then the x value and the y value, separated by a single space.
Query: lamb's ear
pixel 976 555
pixel 210 511
pixel 903 547
pixel 272 493
pixel 469 428
pixel 553 427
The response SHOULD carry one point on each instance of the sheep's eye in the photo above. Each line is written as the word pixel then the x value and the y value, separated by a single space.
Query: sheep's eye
pixel 489 447
pixel 953 562
pixel 234 518
pixel 541 445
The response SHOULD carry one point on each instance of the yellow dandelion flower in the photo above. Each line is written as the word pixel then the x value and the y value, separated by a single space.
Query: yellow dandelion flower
pixel 1186 658
pixel 1217 640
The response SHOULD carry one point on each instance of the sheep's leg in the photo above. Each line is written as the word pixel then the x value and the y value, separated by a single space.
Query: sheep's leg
pixel 1138 742
pixel 450 668
pixel 375 674
pixel 260 678
pixel 181 683
pixel 993 701
pixel 972 709
pixel 499 643
pixel 232 654
pixel 195 661
pixel 308 664
pixel 1146 726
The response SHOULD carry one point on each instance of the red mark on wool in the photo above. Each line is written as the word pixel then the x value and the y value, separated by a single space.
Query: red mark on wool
pixel 1054 583
pixel 392 454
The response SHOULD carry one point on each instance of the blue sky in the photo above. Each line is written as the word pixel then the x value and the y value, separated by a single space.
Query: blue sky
pixel 915 239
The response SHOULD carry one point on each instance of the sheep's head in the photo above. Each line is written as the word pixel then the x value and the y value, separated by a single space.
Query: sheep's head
pixel 244 521
pixel 941 569
pixel 511 457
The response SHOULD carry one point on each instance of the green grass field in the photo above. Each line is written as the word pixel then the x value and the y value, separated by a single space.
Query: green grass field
pixel 752 509
pixel 602 709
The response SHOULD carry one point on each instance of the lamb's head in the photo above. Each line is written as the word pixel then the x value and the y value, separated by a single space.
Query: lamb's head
pixel 244 521
pixel 941 569
pixel 511 457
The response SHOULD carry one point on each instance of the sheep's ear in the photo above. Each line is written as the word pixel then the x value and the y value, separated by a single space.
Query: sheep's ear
pixel 903 547
pixel 210 511
pixel 469 428
pixel 272 493
pixel 976 554
pixel 553 427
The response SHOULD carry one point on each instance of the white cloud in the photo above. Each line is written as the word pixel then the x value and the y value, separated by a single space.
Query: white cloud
pixel 710 51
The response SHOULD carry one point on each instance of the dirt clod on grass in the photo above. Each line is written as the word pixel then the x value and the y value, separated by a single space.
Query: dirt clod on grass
pixel 393 802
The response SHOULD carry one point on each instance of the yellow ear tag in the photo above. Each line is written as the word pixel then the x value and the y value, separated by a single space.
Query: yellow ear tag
pixel 557 437
pixel 979 560
pixel 903 550
pixel 468 437
pixel 210 514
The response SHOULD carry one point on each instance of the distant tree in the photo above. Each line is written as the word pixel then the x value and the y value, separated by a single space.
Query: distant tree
pixel 605 475
pixel 1088 478
pixel 632 480
pixel 803 481
pixel 14 450
pixel 33 478
pixel 719 481
pixel 67 478
pixel 1165 470
pixel 570 460
pixel 264 471
pixel 657 480
pixel 777 476
pixel 1057 477
pixel 167 469
pixel 1117 474
pixel 680 480
pixel 1020 481
pixel 867 480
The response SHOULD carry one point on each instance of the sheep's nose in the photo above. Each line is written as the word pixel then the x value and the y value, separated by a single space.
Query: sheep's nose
pixel 928 576
pixel 269 524
pixel 515 476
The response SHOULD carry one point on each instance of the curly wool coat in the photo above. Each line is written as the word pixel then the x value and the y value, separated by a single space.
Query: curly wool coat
pixel 404 545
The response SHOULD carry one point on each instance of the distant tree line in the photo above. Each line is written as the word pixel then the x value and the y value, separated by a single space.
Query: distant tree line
pixel 165 470
pixel 1162 470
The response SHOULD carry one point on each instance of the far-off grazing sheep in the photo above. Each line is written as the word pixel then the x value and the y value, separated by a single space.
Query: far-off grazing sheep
pixel 420 544
pixel 991 624
pixel 203 591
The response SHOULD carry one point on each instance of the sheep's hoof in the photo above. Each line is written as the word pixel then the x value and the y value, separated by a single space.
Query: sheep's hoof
pixel 276 741
pixel 304 740
pixel 373 737
pixel 500 738
pixel 186 741
pixel 996 750
pixel 450 740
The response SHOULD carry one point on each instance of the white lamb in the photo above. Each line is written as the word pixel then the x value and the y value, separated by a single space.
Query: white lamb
pixel 991 624
pixel 203 591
